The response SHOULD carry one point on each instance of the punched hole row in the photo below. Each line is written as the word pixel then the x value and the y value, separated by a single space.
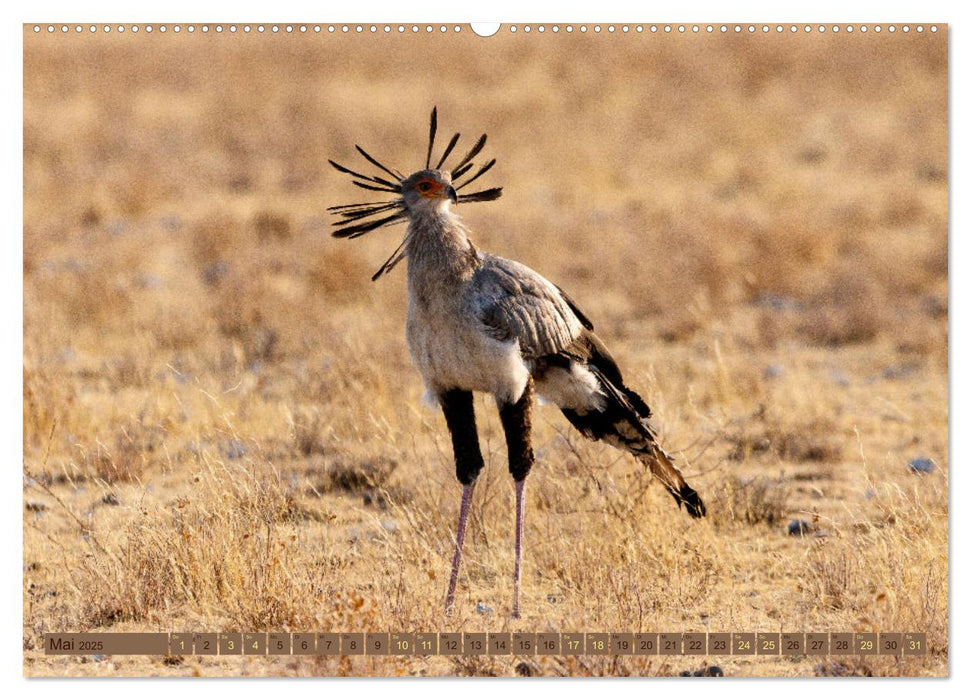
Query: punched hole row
pixel 444 29
pixel 248 28
pixel 719 28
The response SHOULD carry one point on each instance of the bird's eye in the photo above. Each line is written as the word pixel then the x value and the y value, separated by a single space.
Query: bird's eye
pixel 424 186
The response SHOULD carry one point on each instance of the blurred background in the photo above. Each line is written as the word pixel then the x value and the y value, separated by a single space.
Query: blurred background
pixel 676 178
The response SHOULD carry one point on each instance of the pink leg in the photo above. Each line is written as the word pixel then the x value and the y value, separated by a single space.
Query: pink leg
pixel 459 539
pixel 517 572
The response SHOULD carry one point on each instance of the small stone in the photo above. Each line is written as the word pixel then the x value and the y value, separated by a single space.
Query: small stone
pixel 799 527
pixel 110 499
pixel 921 465
pixel 483 609
pixel 35 506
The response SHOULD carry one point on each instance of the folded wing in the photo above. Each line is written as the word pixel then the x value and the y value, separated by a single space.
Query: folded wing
pixel 513 302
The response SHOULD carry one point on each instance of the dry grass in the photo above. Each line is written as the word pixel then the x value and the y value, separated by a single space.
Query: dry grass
pixel 222 429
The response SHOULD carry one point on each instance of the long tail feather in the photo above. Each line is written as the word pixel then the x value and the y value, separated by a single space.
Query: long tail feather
pixel 662 467
pixel 620 417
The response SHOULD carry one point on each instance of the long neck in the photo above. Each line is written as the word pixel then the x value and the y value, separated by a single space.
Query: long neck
pixel 439 249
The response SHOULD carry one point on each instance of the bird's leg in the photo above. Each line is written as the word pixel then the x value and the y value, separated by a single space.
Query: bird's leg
pixel 516 421
pixel 459 540
pixel 517 571
pixel 460 416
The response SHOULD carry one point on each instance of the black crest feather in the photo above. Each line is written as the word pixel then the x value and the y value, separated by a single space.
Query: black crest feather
pixel 482 196
pixel 473 152
pixel 355 220
pixel 431 137
pixel 448 150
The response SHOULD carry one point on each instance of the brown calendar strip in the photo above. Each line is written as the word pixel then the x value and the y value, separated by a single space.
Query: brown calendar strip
pixel 489 643
pixel 107 643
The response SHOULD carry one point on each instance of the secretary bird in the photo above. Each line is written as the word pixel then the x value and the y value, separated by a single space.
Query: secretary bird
pixel 478 322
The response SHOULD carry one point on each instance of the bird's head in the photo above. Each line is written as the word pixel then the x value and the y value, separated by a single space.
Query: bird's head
pixel 429 190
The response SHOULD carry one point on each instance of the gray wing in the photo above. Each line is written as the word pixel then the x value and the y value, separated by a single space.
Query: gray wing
pixel 513 302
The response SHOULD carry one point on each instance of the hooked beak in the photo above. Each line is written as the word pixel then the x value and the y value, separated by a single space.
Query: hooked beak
pixel 452 194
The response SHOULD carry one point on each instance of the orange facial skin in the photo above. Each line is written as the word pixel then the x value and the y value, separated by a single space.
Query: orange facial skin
pixel 430 188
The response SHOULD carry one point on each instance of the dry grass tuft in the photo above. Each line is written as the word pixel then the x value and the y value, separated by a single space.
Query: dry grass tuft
pixel 224 551
pixel 353 476
pixel 753 501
